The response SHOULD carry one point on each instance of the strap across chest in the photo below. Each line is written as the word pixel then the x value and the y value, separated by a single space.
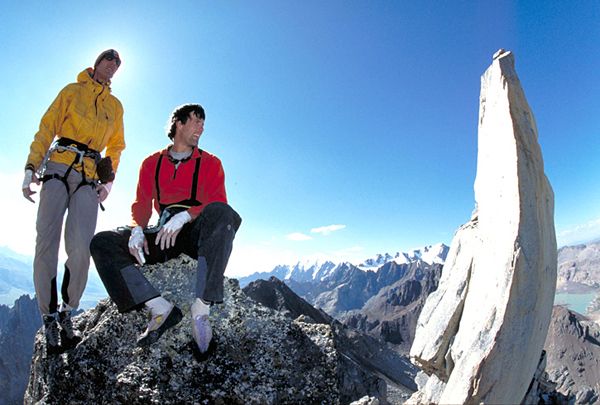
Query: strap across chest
pixel 192 201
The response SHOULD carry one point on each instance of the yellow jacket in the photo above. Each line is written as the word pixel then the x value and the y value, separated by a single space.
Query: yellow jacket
pixel 87 113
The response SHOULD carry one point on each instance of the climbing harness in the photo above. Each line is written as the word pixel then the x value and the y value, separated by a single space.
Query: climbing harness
pixel 81 151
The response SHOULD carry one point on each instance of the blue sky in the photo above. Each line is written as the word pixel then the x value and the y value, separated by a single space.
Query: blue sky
pixel 358 114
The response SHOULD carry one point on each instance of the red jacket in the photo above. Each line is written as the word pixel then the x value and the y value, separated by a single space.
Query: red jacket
pixel 175 185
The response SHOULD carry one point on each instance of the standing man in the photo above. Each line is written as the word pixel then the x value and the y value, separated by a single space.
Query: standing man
pixel 85 118
pixel 186 186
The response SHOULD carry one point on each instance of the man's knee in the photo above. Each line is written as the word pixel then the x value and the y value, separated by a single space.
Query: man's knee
pixel 223 214
pixel 104 242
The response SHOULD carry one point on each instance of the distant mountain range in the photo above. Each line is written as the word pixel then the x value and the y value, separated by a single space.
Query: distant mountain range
pixel 579 268
pixel 16 276
pixel 315 271
pixel 16 279
pixel 382 296
pixel 392 313
pixel 432 254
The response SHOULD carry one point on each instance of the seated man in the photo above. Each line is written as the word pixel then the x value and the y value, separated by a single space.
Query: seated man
pixel 186 185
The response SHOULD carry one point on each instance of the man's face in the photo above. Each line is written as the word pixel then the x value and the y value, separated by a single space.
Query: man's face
pixel 188 134
pixel 106 69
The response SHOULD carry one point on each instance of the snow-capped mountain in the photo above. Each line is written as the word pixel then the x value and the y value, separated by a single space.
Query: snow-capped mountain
pixel 306 271
pixel 429 254
pixel 301 272
pixel 375 262
pixel 317 271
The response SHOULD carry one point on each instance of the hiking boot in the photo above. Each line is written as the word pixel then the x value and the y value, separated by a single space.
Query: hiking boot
pixel 202 332
pixel 68 338
pixel 158 325
pixel 51 334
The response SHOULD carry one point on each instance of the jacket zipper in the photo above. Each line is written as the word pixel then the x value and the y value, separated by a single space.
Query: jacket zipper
pixel 96 101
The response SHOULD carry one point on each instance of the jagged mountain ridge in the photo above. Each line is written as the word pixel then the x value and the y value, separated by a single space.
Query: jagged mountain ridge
pixel 392 313
pixel 349 288
pixel 18 325
pixel 338 288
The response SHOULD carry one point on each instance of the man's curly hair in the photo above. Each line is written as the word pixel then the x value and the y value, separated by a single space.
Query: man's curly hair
pixel 181 114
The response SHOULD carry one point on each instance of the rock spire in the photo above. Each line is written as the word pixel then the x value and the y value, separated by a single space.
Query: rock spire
pixel 481 334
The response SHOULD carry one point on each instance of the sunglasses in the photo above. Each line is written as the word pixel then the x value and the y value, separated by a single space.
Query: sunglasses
pixel 110 57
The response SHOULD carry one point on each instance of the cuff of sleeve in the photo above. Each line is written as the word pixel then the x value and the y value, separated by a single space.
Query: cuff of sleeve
pixel 108 186
pixel 134 223
pixel 194 212
pixel 30 166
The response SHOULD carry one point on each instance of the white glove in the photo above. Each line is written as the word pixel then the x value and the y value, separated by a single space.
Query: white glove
pixel 177 222
pixel 168 233
pixel 29 178
pixel 137 244
pixel 103 190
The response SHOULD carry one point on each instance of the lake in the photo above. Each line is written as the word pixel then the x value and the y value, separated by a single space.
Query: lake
pixel 576 302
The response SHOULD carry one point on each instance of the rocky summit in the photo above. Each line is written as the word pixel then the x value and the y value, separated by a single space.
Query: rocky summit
pixel 261 356
pixel 480 335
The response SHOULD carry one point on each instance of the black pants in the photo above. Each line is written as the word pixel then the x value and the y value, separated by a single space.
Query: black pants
pixel 209 239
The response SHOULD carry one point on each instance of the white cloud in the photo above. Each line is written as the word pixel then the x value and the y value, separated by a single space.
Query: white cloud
pixel 579 234
pixel 326 230
pixel 297 236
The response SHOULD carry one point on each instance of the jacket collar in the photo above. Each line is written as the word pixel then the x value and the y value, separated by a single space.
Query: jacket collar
pixel 195 153
pixel 85 77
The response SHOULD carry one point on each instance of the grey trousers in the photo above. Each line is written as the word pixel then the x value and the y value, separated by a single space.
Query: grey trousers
pixel 209 239
pixel 81 207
